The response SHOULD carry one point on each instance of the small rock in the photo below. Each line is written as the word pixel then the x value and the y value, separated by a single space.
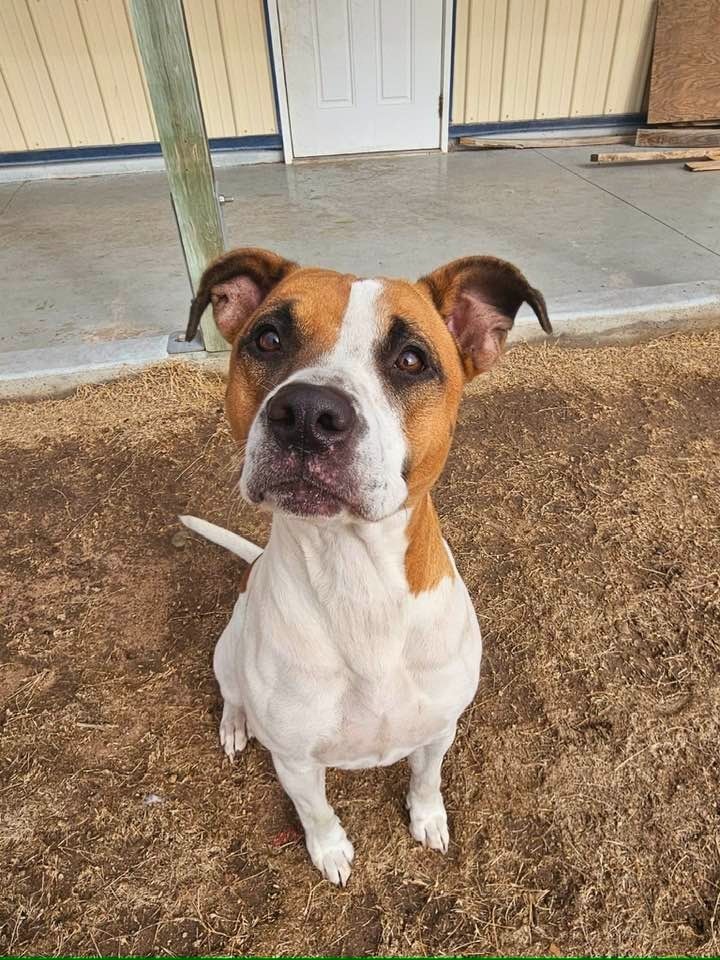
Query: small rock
pixel 152 800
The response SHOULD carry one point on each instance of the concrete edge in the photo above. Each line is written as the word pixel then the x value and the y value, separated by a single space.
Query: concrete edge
pixel 75 169
pixel 623 316
pixel 608 316
pixel 57 371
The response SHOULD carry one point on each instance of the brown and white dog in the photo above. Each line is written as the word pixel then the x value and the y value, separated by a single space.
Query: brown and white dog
pixel 354 642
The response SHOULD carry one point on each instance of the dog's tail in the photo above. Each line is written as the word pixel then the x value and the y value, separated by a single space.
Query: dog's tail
pixel 225 538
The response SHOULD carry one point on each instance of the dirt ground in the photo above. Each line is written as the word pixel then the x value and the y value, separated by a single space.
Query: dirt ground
pixel 582 502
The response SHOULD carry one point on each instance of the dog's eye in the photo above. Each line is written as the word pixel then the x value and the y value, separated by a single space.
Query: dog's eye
pixel 268 340
pixel 411 361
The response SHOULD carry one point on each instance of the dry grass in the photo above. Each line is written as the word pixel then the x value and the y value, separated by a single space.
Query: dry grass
pixel 582 503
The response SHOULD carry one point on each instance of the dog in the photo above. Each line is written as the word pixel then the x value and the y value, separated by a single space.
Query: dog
pixel 353 642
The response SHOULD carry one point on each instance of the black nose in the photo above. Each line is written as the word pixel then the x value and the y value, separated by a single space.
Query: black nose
pixel 310 417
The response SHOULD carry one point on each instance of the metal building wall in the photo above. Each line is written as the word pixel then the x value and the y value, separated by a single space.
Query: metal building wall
pixel 70 72
pixel 547 59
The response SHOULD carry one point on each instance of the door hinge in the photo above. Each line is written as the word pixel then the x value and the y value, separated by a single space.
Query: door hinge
pixel 440 105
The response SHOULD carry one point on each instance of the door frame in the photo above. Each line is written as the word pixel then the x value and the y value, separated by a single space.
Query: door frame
pixel 279 77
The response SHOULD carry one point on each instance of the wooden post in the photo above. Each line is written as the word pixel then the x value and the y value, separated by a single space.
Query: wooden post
pixel 165 50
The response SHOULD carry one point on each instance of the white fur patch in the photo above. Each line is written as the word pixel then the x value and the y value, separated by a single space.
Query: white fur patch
pixel 382 451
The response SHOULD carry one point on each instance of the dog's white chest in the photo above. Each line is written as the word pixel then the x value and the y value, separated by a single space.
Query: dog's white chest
pixel 383 719
pixel 351 684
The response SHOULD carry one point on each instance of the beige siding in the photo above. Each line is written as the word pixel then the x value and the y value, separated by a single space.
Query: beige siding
pixel 559 56
pixel 10 130
pixel 71 74
pixel 480 34
pixel 533 59
pixel 631 60
pixel 27 79
pixel 207 47
pixel 60 34
pixel 523 50
pixel 247 60
pixel 108 34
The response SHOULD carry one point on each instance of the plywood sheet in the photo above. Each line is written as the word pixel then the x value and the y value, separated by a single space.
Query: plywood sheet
pixel 685 79
pixel 678 137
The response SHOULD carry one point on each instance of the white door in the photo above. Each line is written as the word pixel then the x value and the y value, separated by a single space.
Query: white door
pixel 362 75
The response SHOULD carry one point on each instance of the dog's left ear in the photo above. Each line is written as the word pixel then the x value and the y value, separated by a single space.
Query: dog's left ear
pixel 478 298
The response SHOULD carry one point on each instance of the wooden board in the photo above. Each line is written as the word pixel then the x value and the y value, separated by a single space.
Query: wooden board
pixel 538 143
pixel 703 166
pixel 163 42
pixel 678 137
pixel 478 143
pixel 685 77
pixel 651 156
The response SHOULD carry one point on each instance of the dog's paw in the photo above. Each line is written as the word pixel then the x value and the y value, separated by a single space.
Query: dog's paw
pixel 233 735
pixel 430 827
pixel 333 857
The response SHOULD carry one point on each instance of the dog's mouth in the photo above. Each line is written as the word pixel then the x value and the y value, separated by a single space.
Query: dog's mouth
pixel 304 486
pixel 304 497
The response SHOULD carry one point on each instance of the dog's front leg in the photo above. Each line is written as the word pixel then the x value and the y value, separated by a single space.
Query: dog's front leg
pixel 428 820
pixel 326 841
pixel 233 731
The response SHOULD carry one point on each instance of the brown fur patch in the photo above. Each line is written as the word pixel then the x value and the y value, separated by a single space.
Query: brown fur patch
pixel 429 409
pixel 426 559
pixel 429 415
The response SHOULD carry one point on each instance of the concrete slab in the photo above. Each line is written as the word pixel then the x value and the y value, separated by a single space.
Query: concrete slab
pixel 665 191
pixel 96 261
pixel 89 261
pixel 406 216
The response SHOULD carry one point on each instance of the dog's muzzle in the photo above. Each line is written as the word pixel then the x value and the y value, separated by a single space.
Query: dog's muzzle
pixel 307 464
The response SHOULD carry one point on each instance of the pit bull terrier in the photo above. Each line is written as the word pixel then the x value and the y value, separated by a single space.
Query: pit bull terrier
pixel 353 642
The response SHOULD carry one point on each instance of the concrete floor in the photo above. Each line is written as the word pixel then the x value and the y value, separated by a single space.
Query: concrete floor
pixel 97 260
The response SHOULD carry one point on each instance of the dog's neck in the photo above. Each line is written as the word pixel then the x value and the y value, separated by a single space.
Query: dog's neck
pixel 400 554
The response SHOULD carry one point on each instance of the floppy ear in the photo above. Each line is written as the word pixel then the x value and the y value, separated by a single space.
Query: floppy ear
pixel 478 298
pixel 236 283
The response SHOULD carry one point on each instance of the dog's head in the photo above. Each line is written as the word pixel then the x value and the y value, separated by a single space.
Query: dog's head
pixel 345 391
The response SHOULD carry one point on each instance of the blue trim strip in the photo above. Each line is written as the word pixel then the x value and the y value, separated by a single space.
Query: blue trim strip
pixel 560 123
pixel 273 141
pixel 115 151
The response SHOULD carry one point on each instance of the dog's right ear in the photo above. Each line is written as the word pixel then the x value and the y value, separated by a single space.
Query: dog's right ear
pixel 236 284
